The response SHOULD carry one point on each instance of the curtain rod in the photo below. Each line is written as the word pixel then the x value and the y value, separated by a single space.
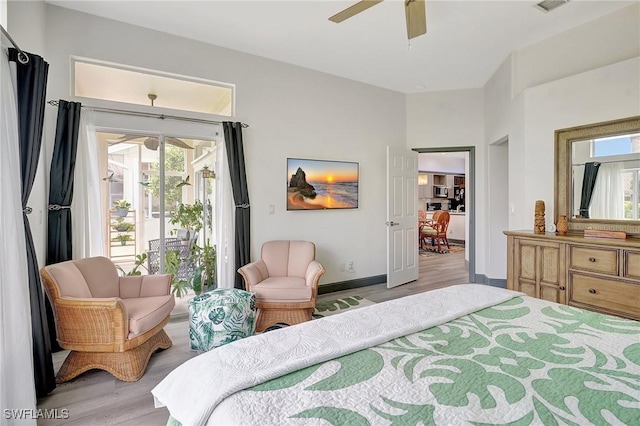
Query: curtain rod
pixel 149 114
pixel 22 57
pixel 610 161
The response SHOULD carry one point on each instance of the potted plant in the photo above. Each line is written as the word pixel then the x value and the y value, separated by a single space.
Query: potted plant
pixel 205 277
pixel 179 287
pixel 122 207
pixel 139 263
pixel 121 226
pixel 189 218
pixel 123 238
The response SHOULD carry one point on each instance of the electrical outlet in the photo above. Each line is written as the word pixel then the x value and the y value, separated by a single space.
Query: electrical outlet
pixel 350 269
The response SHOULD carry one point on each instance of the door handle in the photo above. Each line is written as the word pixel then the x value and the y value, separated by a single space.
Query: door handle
pixel 392 223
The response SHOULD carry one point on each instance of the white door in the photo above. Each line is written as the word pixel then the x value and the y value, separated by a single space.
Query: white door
pixel 402 216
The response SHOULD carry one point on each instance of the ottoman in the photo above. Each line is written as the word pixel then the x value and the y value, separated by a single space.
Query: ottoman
pixel 221 316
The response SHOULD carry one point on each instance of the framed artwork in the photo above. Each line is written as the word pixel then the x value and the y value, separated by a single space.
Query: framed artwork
pixel 321 184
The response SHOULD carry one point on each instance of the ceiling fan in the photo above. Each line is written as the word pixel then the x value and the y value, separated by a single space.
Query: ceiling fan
pixel 414 11
pixel 151 142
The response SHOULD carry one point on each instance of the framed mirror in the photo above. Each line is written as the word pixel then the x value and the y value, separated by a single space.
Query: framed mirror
pixel 597 176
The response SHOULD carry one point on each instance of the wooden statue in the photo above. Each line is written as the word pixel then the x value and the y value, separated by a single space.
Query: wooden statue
pixel 539 223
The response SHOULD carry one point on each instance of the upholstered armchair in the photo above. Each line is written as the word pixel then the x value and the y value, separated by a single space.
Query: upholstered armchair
pixel 108 322
pixel 285 281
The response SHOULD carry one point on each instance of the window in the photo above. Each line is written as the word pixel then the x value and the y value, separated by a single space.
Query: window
pixel 618 145
pixel 119 83
pixel 631 182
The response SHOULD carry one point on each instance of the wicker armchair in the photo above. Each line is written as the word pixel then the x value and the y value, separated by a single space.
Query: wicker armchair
pixel 108 322
pixel 285 281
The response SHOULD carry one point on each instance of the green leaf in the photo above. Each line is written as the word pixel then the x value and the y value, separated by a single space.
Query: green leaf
pixel 544 346
pixel 455 343
pixel 632 353
pixel 471 378
pixel 591 393
pixel 335 416
pixel 288 380
pixel 523 421
pixel 412 415
pixel 354 368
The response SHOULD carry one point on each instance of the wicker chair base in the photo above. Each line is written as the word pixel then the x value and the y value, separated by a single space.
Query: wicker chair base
pixel 267 317
pixel 127 366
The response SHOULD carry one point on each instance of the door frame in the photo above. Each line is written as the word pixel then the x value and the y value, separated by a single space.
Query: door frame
pixel 470 206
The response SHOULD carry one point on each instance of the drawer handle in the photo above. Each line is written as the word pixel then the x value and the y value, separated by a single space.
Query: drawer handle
pixel 592 259
pixel 592 290
pixel 562 287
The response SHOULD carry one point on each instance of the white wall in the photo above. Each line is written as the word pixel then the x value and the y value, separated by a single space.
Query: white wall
pixel 581 76
pixel 610 39
pixel 441 162
pixel 292 111
pixel 602 94
pixel 451 119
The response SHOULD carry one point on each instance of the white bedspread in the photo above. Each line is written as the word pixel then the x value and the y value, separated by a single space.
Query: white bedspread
pixel 194 389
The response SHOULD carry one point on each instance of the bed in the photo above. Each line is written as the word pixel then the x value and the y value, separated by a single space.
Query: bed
pixel 467 354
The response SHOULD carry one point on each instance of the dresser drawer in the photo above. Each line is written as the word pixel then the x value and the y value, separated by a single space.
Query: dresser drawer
pixel 611 295
pixel 603 260
pixel 632 264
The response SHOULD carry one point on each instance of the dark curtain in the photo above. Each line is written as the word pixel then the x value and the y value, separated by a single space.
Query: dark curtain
pixel 63 163
pixel 235 157
pixel 31 95
pixel 588 185
pixel 61 182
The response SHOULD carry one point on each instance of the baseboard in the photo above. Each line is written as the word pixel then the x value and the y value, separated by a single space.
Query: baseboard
pixel 493 282
pixel 346 285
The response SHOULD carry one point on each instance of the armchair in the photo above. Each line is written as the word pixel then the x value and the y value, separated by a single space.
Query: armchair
pixel 108 322
pixel 285 281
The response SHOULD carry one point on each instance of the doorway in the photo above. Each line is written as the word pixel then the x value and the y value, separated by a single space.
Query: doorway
pixel 158 199
pixel 467 197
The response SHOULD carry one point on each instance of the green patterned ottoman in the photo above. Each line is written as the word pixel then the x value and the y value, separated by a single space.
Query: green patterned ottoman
pixel 221 316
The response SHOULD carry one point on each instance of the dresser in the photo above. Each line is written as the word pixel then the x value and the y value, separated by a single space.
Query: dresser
pixel 598 274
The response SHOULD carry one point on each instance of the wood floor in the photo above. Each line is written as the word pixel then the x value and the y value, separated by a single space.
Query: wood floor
pixel 97 398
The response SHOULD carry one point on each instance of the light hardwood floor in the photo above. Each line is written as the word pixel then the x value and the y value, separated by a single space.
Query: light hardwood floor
pixel 97 398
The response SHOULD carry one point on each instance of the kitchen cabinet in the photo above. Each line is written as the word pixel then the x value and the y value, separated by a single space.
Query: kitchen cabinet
pixel 425 185
pixel 457 227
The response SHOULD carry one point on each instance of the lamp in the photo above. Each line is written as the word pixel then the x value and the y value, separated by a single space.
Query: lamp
pixel 208 174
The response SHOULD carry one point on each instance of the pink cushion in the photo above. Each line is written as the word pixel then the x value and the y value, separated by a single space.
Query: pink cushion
pixel 288 258
pixel 69 280
pixel 147 312
pixel 101 276
pixel 282 289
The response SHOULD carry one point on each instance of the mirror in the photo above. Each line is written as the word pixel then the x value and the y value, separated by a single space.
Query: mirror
pixel 598 175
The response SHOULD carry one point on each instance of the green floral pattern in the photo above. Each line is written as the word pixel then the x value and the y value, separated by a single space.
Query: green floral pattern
pixel 219 317
pixel 523 362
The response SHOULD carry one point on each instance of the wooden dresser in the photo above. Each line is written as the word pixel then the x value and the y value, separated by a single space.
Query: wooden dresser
pixel 598 274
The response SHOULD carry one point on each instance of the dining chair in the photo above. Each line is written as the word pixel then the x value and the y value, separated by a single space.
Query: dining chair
pixel 436 230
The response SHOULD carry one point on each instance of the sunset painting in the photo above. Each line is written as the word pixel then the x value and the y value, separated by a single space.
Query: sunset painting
pixel 320 184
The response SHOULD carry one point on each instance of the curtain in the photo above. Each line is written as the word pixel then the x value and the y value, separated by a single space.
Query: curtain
pixel 238 176
pixel 31 83
pixel 588 183
pixel 225 226
pixel 86 227
pixel 16 361
pixel 608 194
pixel 59 236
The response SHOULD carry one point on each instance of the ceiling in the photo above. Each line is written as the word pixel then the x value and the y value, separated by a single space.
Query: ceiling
pixel 465 43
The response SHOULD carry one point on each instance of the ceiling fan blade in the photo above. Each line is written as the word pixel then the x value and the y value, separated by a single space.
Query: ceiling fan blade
pixel 177 142
pixel 415 12
pixel 353 10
